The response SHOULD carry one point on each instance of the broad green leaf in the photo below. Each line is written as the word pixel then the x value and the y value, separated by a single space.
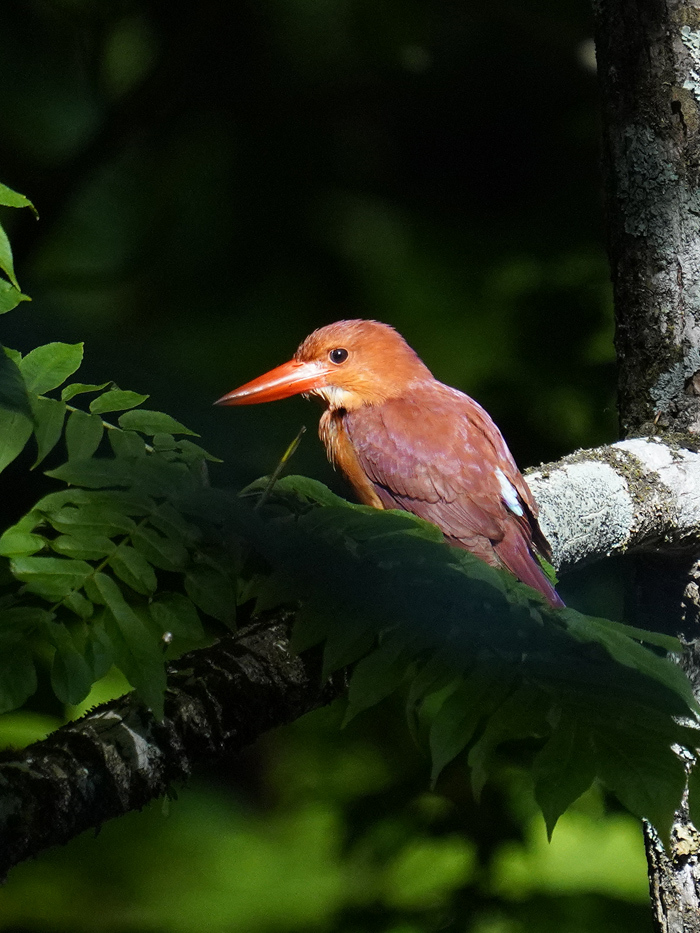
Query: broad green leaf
pixel 350 636
pixel 310 629
pixel 214 593
pixel 626 651
pixel 134 570
pixel 84 547
pixel 77 603
pixel 83 435
pixel 16 623
pixel 116 400
pixel 10 198
pixel 96 473
pixel 15 543
pixel 78 388
pixel 6 263
pixel 99 653
pixel 172 612
pixel 47 367
pixel 164 442
pixel 644 773
pixel 457 719
pixel 376 676
pixel 71 678
pixel 563 769
pixel 50 577
pixel 15 431
pixel 13 392
pixel 10 296
pixel 17 677
pixel 48 425
pixel 152 422
pixel 127 444
pixel 137 651
pixel 91 520
pixel 159 551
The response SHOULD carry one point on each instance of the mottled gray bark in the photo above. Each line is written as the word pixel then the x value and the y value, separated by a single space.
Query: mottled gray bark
pixel 118 757
pixel 649 71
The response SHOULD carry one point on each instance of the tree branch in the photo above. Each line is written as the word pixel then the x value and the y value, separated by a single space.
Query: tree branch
pixel 118 757
pixel 638 494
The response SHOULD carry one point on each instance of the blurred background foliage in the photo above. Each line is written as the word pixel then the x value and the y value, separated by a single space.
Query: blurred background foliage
pixel 214 181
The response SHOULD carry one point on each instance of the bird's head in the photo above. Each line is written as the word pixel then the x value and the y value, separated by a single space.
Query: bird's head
pixel 348 364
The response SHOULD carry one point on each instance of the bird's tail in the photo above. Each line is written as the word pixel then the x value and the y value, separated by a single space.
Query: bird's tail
pixel 516 554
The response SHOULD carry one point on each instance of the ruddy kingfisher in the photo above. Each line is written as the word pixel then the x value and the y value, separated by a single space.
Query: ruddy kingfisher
pixel 404 440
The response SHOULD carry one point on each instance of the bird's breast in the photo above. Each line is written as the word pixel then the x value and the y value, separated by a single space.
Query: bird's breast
pixel 342 454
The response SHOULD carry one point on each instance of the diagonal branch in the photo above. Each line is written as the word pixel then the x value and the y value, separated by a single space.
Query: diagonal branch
pixel 634 495
pixel 118 757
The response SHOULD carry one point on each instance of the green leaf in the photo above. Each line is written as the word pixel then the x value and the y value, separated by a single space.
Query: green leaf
pixel 173 525
pixel 47 367
pixel 95 473
pixel 15 431
pixel 376 676
pixel 78 388
pixel 91 520
pixel 133 570
pixel 84 547
pixel 83 435
pixel 50 577
pixel 152 422
pixel 174 613
pixel 626 651
pixel 127 444
pixel 457 719
pixel 17 677
pixel 20 543
pixel 82 607
pixel 563 769
pixel 13 391
pixel 71 678
pixel 192 451
pixel 214 593
pixel 159 551
pixel 116 400
pixel 48 425
pixel 10 296
pixel 138 653
pixel 6 263
pixel 10 198
pixel 644 773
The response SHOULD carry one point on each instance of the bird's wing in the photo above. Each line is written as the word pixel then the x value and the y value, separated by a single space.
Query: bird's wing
pixel 439 455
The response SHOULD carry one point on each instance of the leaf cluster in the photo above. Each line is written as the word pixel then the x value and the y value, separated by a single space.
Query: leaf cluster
pixel 485 664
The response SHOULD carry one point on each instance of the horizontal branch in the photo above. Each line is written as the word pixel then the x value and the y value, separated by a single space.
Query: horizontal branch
pixel 118 757
pixel 637 495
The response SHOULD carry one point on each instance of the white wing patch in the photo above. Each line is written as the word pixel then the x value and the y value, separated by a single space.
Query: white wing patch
pixel 509 493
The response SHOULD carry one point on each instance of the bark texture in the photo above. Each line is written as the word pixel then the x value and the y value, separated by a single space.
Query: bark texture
pixel 649 71
pixel 118 757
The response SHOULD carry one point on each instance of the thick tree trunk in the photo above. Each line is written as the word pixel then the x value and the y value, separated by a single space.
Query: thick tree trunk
pixel 649 71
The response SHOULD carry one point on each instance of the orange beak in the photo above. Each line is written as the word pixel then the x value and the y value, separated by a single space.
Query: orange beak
pixel 290 378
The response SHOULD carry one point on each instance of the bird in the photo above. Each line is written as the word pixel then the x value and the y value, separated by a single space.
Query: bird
pixel 404 440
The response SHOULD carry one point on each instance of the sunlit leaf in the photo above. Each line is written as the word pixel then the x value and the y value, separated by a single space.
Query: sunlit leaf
pixel 50 577
pixel 116 400
pixel 15 543
pixel 6 263
pixel 10 198
pixel 152 422
pixel 47 367
pixel 77 388
pixel 10 296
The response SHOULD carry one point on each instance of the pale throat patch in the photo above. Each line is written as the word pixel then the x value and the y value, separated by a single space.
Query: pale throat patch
pixel 509 493
pixel 335 397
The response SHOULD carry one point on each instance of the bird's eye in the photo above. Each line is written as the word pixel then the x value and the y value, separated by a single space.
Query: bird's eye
pixel 339 355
